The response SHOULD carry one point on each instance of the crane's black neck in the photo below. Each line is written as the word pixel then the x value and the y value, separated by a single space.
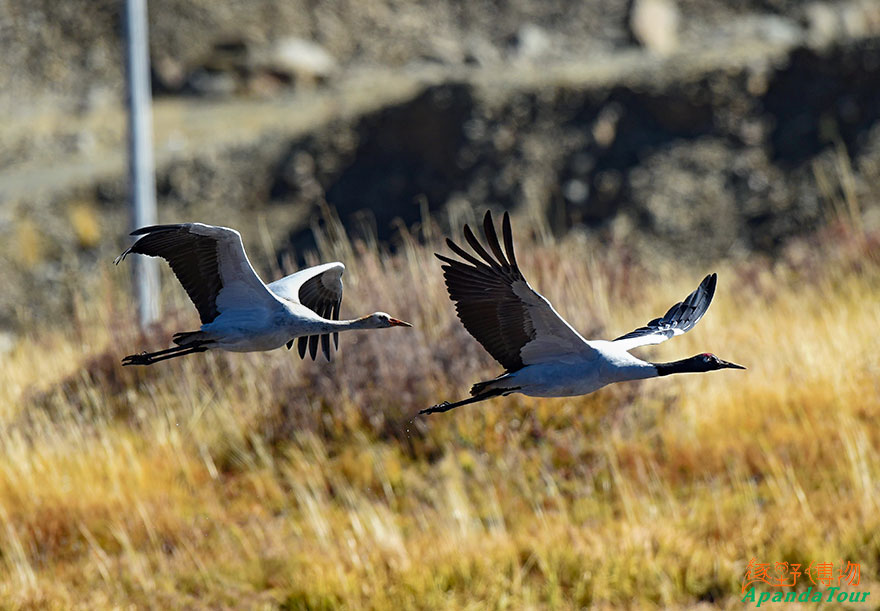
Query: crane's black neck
pixel 693 364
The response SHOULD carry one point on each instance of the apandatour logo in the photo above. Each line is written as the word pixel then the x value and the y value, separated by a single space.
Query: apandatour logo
pixel 785 575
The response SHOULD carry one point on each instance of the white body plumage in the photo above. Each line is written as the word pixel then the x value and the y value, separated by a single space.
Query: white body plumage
pixel 578 374
pixel 543 355
pixel 240 313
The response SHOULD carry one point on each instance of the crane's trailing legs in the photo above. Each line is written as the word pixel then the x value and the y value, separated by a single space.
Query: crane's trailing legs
pixel 446 405
pixel 148 358
pixel 543 356
pixel 238 311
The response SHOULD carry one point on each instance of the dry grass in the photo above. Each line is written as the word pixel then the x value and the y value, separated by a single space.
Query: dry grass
pixel 257 481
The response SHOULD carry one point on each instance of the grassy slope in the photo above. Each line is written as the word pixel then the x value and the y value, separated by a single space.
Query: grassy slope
pixel 254 480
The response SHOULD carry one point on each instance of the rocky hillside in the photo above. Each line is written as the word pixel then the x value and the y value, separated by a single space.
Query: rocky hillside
pixel 686 129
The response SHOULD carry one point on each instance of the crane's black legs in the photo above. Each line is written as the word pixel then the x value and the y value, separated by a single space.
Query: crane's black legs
pixel 446 405
pixel 148 358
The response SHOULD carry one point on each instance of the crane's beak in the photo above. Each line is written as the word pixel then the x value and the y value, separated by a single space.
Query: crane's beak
pixel 398 323
pixel 728 365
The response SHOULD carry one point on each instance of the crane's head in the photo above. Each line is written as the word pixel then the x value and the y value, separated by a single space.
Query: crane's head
pixel 381 320
pixel 695 364
pixel 709 362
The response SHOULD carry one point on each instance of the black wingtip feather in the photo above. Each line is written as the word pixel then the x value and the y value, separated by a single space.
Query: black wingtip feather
pixel 335 315
pixel 465 255
pixel 483 292
pixel 475 244
pixel 325 302
pixel 313 347
pixel 507 232
pixel 325 346
pixel 193 259
pixel 684 315
pixel 710 282
pixel 326 312
pixel 121 257
pixel 154 229
pixel 492 239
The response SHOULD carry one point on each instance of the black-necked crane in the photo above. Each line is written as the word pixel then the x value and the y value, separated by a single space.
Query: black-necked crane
pixel 238 311
pixel 543 356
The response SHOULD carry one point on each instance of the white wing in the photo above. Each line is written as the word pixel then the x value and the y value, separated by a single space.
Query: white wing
pixel 678 320
pixel 512 321
pixel 328 275
pixel 210 263
pixel 319 288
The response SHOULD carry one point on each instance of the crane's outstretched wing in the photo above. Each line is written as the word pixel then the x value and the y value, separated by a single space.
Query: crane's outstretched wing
pixel 319 288
pixel 512 321
pixel 209 262
pixel 679 319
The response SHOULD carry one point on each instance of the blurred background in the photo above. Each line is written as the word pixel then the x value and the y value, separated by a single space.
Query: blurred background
pixel 690 129
pixel 639 144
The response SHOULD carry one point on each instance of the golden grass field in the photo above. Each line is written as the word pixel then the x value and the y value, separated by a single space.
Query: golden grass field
pixel 255 481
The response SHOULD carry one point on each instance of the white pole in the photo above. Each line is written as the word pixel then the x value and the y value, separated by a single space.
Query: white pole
pixel 142 186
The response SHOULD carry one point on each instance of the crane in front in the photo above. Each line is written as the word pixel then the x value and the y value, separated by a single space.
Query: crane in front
pixel 543 356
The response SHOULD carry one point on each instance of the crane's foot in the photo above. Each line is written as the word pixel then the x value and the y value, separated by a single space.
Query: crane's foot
pixel 144 358
pixel 446 405
pixel 440 407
